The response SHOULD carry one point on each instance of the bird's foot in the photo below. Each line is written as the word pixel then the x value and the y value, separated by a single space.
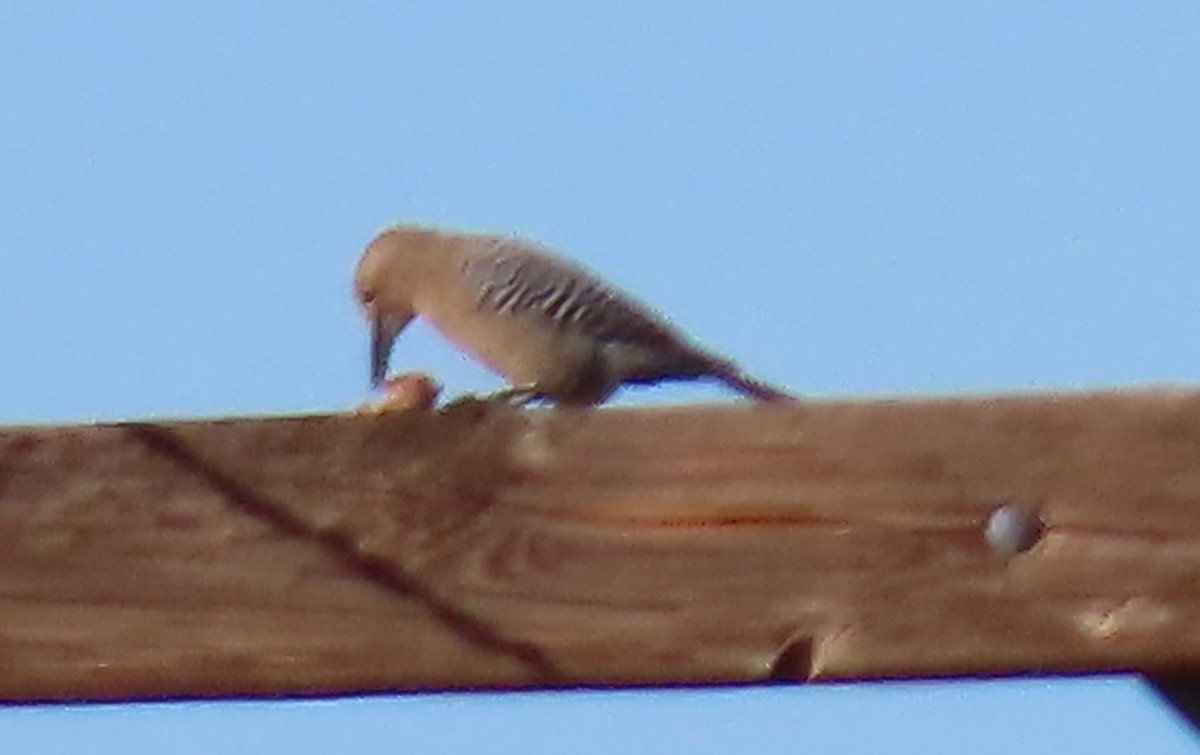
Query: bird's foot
pixel 515 396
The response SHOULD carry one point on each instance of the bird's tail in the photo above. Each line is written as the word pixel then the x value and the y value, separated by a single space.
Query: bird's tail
pixel 729 374
pixel 755 389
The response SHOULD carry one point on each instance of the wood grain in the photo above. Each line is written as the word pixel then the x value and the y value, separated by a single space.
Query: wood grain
pixel 490 547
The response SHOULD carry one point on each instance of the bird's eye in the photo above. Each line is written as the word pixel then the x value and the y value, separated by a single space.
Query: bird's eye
pixel 368 297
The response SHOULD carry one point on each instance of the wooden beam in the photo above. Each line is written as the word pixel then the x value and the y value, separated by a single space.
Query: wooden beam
pixel 490 547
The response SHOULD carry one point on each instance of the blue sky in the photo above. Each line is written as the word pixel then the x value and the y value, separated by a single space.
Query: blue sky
pixel 850 199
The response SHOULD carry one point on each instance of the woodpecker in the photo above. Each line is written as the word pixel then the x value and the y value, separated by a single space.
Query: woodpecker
pixel 550 326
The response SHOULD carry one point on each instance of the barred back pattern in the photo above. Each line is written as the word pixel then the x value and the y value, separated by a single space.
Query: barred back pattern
pixel 513 278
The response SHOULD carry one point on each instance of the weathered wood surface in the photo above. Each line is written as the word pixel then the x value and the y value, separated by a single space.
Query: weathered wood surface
pixel 485 548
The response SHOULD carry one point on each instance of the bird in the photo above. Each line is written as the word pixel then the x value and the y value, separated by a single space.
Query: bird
pixel 553 328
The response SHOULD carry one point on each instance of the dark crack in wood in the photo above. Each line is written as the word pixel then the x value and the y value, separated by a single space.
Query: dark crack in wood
pixel 345 549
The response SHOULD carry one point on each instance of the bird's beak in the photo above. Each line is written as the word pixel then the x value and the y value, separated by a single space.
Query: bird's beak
pixel 384 330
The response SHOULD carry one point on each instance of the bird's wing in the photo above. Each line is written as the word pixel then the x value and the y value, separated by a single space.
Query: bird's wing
pixel 511 277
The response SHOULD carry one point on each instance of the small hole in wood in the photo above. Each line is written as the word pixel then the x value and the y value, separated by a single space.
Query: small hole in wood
pixel 793 662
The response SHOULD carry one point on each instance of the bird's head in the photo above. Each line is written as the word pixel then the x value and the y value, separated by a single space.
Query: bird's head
pixel 385 281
